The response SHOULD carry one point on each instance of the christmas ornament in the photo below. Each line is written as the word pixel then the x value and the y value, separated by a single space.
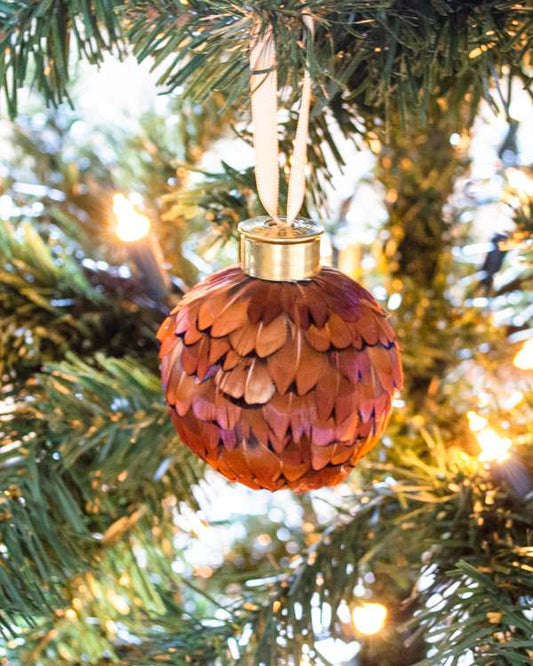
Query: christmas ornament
pixel 277 372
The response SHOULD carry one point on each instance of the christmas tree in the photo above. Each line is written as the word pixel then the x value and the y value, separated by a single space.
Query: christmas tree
pixel 118 544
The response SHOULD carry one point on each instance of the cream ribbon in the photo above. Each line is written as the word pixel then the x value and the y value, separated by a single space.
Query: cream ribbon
pixel 264 92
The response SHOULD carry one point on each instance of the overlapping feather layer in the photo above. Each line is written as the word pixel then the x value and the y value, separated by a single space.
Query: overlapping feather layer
pixel 279 384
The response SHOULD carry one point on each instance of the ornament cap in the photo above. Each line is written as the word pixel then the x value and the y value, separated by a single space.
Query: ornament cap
pixel 277 251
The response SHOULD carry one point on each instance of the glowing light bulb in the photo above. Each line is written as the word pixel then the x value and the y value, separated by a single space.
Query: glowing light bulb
pixel 369 618
pixel 131 225
pixel 493 447
pixel 524 356
pixel 476 422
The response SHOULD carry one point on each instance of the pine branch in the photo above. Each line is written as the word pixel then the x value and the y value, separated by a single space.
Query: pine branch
pixel 51 305
pixel 110 420
pixel 38 38
pixel 88 448
pixel 386 56
pixel 229 196
pixel 130 608
pixel 441 508
pixel 37 289
pixel 223 198
pixel 483 611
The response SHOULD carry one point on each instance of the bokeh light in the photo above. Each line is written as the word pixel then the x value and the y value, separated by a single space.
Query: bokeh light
pixel 494 448
pixel 369 618
pixel 130 224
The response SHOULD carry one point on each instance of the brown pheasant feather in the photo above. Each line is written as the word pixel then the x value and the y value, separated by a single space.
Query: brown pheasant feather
pixel 279 384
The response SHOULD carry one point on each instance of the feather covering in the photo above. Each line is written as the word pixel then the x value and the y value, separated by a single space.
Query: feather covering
pixel 279 384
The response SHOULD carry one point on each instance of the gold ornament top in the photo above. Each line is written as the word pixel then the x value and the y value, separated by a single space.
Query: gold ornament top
pixel 280 252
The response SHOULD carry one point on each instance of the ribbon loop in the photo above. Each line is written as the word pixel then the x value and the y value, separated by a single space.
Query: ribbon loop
pixel 263 88
pixel 264 105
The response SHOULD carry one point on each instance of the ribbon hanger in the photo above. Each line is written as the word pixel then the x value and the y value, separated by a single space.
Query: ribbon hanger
pixel 264 104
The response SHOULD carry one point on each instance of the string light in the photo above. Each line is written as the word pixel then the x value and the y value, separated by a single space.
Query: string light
pixel 496 450
pixel 130 224
pixel 493 447
pixel 142 247
pixel 476 422
pixel 369 618
pixel 523 358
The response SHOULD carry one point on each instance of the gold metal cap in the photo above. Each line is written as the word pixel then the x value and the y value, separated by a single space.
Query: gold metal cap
pixel 271 250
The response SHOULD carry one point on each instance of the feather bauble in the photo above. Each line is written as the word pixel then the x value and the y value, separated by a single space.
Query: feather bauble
pixel 279 384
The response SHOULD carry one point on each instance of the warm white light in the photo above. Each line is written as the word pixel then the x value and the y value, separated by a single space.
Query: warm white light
pixel 369 618
pixel 493 447
pixel 524 356
pixel 131 225
pixel 476 422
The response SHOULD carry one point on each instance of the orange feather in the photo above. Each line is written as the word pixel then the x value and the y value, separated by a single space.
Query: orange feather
pixel 279 384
